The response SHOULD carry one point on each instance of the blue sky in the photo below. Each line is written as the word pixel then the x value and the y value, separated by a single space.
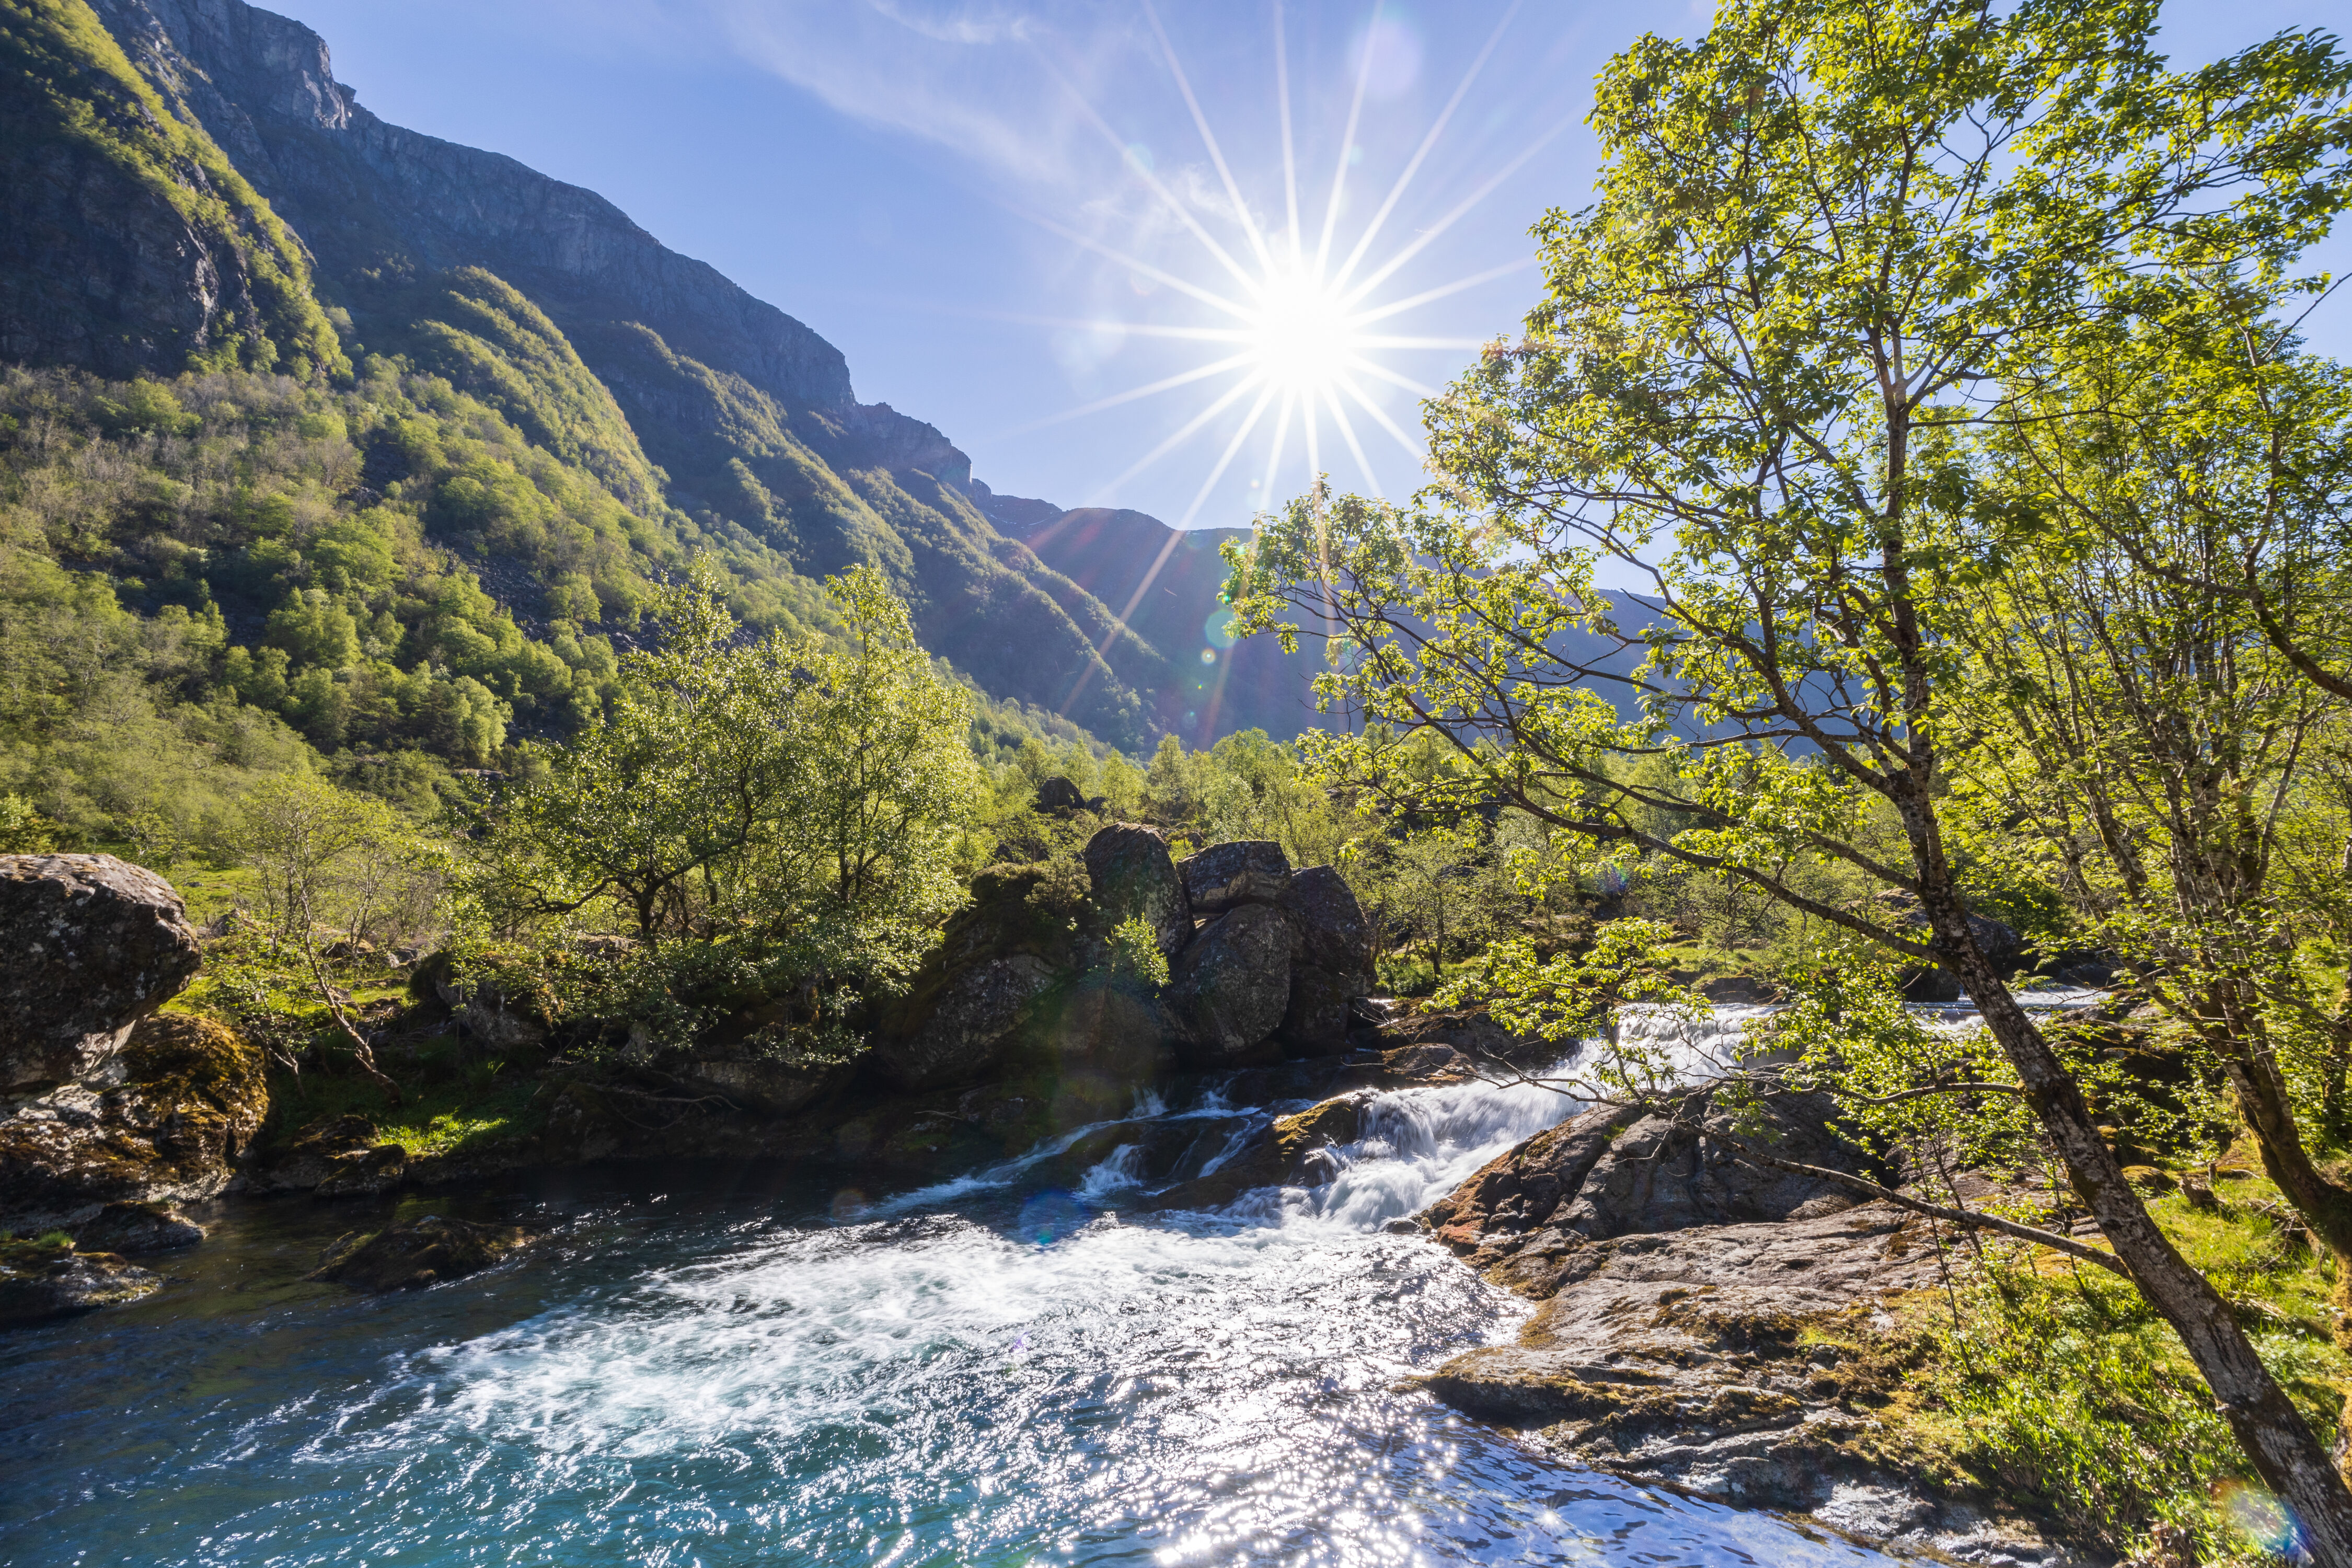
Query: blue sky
pixel 967 198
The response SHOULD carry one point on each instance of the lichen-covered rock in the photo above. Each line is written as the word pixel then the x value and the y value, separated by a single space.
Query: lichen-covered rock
pixel 1231 985
pixel 190 1097
pixel 998 954
pixel 1133 876
pixel 44 1279
pixel 1227 875
pixel 94 944
pixel 420 1252
pixel 137 1228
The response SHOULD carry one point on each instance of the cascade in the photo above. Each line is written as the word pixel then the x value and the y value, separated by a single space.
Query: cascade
pixel 1019 1365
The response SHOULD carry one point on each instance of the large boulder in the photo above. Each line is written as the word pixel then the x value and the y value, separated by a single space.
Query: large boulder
pixel 1133 876
pixel 971 1018
pixel 190 1097
pixel 93 945
pixel 1331 965
pixel 999 954
pixel 2001 946
pixel 1227 875
pixel 1231 985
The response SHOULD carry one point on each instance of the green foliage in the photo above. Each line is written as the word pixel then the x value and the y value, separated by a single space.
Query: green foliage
pixel 2061 1390
pixel 331 858
pixel 790 808
pixel 1135 955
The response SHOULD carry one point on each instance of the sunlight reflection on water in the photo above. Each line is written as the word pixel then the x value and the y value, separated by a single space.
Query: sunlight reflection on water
pixel 739 1380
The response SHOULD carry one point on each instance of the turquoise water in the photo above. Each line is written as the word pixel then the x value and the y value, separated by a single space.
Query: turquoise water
pixel 748 1367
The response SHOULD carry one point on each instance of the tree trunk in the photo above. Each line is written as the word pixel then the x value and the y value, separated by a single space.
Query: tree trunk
pixel 2284 1451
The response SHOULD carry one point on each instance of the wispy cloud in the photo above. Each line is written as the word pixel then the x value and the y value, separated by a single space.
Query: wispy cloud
pixel 972 79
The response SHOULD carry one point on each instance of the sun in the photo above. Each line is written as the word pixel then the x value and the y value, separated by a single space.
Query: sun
pixel 1297 318
pixel 1300 336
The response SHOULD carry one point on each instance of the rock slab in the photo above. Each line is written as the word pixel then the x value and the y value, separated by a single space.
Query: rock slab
pixel 416 1253
pixel 94 944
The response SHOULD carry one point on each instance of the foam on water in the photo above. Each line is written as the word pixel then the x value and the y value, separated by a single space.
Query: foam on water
pixel 997 1373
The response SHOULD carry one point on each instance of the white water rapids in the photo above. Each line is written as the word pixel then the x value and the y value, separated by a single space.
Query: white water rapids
pixel 991 1371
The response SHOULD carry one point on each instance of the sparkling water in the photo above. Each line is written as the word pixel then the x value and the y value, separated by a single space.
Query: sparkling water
pixel 712 1368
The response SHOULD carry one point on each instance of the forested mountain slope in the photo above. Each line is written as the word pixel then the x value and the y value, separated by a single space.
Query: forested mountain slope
pixel 497 378
pixel 1165 585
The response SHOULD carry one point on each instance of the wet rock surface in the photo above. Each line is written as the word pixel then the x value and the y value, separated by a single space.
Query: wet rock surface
pixel 186 1097
pixel 94 944
pixel 416 1253
pixel 1709 1324
pixel 40 1279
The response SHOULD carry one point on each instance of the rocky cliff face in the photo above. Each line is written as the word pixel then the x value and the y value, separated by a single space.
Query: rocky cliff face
pixel 127 242
pixel 366 193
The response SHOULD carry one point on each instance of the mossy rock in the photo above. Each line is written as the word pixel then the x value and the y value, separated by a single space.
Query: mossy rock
pixel 192 1099
pixel 418 1253
pixel 46 1278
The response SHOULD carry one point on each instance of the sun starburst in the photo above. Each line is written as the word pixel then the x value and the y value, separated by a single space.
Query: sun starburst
pixel 1296 319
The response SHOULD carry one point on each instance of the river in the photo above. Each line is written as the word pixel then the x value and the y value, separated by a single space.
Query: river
pixel 707 1368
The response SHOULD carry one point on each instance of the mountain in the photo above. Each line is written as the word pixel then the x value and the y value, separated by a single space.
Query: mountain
pixel 189 190
pixel 1164 586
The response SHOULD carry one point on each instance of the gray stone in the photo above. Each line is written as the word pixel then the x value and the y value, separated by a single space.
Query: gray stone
pixel 968 1026
pixel 1226 876
pixel 1133 876
pixel 137 1228
pixel 1331 964
pixel 93 945
pixel 1231 986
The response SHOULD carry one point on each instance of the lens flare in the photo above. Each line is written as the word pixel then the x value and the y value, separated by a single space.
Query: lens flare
pixel 2266 1521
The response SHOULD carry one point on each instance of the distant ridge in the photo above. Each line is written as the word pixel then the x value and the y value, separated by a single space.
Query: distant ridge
pixel 1166 584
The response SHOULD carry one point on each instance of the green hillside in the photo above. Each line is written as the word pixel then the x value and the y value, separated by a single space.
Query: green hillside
pixel 369 447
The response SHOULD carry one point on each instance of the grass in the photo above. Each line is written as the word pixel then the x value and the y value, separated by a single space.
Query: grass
pixel 451 1102
pixel 2059 1389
